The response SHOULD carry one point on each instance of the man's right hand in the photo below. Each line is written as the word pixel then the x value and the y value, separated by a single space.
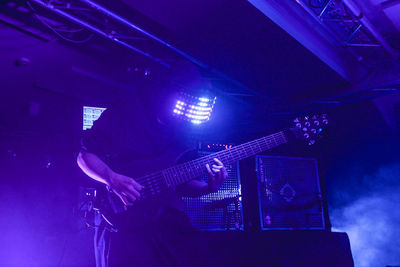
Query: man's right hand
pixel 126 188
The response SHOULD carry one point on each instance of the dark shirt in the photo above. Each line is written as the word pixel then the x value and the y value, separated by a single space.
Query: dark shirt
pixel 154 232
pixel 128 138
pixel 127 130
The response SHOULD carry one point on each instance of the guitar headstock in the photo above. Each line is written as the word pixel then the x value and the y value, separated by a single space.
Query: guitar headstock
pixel 309 128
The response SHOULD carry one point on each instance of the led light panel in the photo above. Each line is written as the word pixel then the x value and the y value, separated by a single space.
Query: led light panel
pixel 194 109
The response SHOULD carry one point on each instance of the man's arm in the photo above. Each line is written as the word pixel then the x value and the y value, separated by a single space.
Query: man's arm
pixel 126 188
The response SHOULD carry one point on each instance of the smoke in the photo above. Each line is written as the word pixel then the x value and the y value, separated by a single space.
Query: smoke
pixel 372 220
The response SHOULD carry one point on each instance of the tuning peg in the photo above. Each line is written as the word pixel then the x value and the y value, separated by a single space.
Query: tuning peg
pixel 306 135
pixel 311 142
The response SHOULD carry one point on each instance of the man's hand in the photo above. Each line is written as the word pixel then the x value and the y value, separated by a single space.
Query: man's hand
pixel 123 186
pixel 217 175
pixel 126 188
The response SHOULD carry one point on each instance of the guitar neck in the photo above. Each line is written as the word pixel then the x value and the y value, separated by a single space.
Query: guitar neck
pixel 185 172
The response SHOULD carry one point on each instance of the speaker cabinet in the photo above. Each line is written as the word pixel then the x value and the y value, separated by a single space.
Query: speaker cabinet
pixel 289 193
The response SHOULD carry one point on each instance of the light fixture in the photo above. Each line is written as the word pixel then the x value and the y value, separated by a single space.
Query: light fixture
pixel 197 110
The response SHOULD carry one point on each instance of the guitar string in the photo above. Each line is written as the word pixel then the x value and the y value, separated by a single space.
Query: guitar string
pixel 278 139
pixel 238 152
pixel 150 179
pixel 153 180
pixel 222 155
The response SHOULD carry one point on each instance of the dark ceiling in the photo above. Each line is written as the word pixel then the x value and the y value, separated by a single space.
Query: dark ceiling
pixel 238 40
pixel 231 36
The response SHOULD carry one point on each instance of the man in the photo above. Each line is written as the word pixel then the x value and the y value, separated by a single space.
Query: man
pixel 130 140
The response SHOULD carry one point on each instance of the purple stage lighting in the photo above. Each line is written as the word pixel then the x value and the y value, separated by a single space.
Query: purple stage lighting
pixel 90 114
pixel 197 110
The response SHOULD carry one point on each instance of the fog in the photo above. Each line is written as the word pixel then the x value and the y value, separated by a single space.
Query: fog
pixel 372 220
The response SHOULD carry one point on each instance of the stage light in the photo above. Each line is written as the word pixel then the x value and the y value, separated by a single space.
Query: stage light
pixel 90 114
pixel 197 110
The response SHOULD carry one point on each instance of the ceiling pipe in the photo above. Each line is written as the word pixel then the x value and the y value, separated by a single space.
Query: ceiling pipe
pixel 168 45
pixel 98 31
pixel 142 31
pixel 108 13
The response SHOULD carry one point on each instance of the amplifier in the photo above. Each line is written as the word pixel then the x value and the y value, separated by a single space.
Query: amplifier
pixel 219 211
pixel 289 193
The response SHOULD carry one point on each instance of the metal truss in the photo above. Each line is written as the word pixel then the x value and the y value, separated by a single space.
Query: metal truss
pixel 344 21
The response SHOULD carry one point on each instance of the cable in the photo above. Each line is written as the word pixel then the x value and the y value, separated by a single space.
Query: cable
pixel 42 20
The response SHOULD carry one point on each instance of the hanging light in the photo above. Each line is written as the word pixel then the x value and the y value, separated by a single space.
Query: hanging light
pixel 195 109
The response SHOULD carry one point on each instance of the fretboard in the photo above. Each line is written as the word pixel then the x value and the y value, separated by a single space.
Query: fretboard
pixel 184 172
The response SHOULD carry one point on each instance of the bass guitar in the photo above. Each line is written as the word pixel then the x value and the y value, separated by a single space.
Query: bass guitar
pixel 155 183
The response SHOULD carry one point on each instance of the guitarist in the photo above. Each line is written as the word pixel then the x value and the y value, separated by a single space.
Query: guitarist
pixel 129 140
